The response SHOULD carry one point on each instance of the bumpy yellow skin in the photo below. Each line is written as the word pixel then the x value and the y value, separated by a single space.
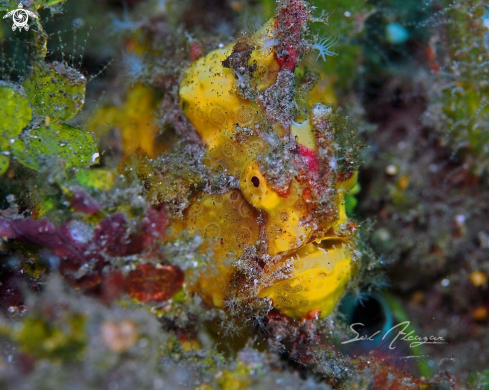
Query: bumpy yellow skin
pixel 317 269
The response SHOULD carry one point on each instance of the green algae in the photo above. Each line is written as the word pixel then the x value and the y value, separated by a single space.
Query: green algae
pixel 4 164
pixel 55 90
pixel 75 147
pixel 480 380
pixel 15 111
pixel 460 100
pixel 99 179
pixel 36 4
pixel 45 340
pixel 15 115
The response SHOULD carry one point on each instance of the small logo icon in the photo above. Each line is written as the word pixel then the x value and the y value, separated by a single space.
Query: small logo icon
pixel 20 17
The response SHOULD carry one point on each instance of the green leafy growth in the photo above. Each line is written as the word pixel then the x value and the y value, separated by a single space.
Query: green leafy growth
pixel 15 112
pixel 467 110
pixel 47 3
pixel 465 91
pixel 50 341
pixel 100 179
pixel 13 4
pixel 480 380
pixel 15 115
pixel 4 163
pixel 55 90
pixel 58 141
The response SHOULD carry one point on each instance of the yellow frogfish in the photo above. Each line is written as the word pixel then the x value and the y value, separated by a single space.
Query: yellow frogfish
pixel 279 230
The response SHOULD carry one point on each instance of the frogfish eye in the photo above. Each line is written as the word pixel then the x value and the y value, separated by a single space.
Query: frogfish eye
pixel 256 190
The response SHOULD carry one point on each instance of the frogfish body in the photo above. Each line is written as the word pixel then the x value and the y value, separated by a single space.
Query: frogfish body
pixel 281 232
